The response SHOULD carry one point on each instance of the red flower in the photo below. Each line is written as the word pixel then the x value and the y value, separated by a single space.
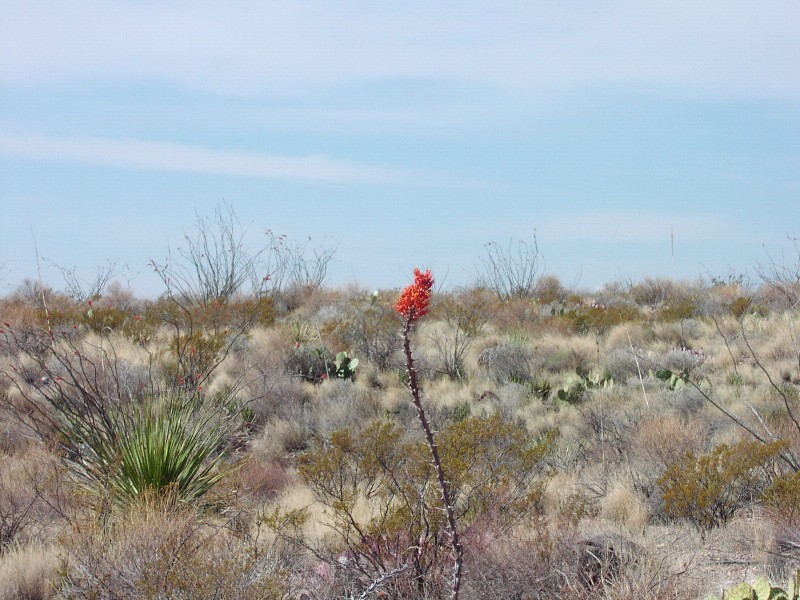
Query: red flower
pixel 415 300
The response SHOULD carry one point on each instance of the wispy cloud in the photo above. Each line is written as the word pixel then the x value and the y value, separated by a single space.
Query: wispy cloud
pixel 737 47
pixel 166 156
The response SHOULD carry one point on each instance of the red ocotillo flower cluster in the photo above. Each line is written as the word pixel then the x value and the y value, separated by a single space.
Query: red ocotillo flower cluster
pixel 416 299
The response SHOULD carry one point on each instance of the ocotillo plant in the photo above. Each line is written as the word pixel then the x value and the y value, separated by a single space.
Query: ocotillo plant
pixel 413 304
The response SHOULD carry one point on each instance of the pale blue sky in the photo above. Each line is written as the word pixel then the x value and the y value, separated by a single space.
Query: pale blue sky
pixel 404 134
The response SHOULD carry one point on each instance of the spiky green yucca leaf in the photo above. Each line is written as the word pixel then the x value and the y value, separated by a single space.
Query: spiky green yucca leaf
pixel 165 446
pixel 169 447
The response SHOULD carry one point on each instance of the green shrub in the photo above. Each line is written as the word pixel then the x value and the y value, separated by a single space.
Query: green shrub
pixel 382 503
pixel 598 318
pixel 709 489
pixel 678 311
pixel 783 497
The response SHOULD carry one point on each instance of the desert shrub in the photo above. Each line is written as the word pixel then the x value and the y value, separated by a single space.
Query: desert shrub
pixel 156 551
pixel 507 362
pixel 310 363
pixel 623 364
pixel 559 355
pixel 781 278
pixel 36 496
pixel 783 498
pixel 598 318
pixel 214 263
pixel 17 502
pixel 105 318
pixel 282 438
pixel 535 563
pixel 510 271
pixel 253 310
pixel 276 395
pixel 657 292
pixel 56 377
pixel 260 480
pixel 297 270
pixel 708 489
pixel 340 403
pixel 192 356
pixel 623 506
pixel 677 310
pixel 117 439
pixel 549 290
pixel 465 318
pixel 741 306
pixel 369 329
pixel 378 487
pixel 683 360
pixel 658 442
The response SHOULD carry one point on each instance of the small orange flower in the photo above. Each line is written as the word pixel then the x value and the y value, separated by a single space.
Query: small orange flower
pixel 415 300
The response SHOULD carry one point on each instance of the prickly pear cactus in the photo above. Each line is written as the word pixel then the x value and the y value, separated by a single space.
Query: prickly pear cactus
pixel 762 590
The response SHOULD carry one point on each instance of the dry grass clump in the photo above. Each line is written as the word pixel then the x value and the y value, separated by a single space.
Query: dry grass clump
pixel 158 550
pixel 28 572
pixel 559 354
pixel 281 438
pixel 624 506
pixel 260 480
pixel 33 496
pixel 624 364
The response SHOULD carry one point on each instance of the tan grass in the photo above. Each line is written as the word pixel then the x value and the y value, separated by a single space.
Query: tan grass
pixel 28 572
pixel 281 437
pixel 624 507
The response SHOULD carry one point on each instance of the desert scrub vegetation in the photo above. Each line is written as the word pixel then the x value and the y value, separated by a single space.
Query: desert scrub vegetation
pixel 274 438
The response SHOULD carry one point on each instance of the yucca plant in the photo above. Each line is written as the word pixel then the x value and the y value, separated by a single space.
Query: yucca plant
pixel 163 445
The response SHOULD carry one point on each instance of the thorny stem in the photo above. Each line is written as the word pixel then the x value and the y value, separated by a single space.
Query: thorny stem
pixel 457 550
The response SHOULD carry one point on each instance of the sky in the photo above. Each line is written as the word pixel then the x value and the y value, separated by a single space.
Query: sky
pixel 633 139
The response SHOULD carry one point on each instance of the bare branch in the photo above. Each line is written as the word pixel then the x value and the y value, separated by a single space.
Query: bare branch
pixel 512 271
